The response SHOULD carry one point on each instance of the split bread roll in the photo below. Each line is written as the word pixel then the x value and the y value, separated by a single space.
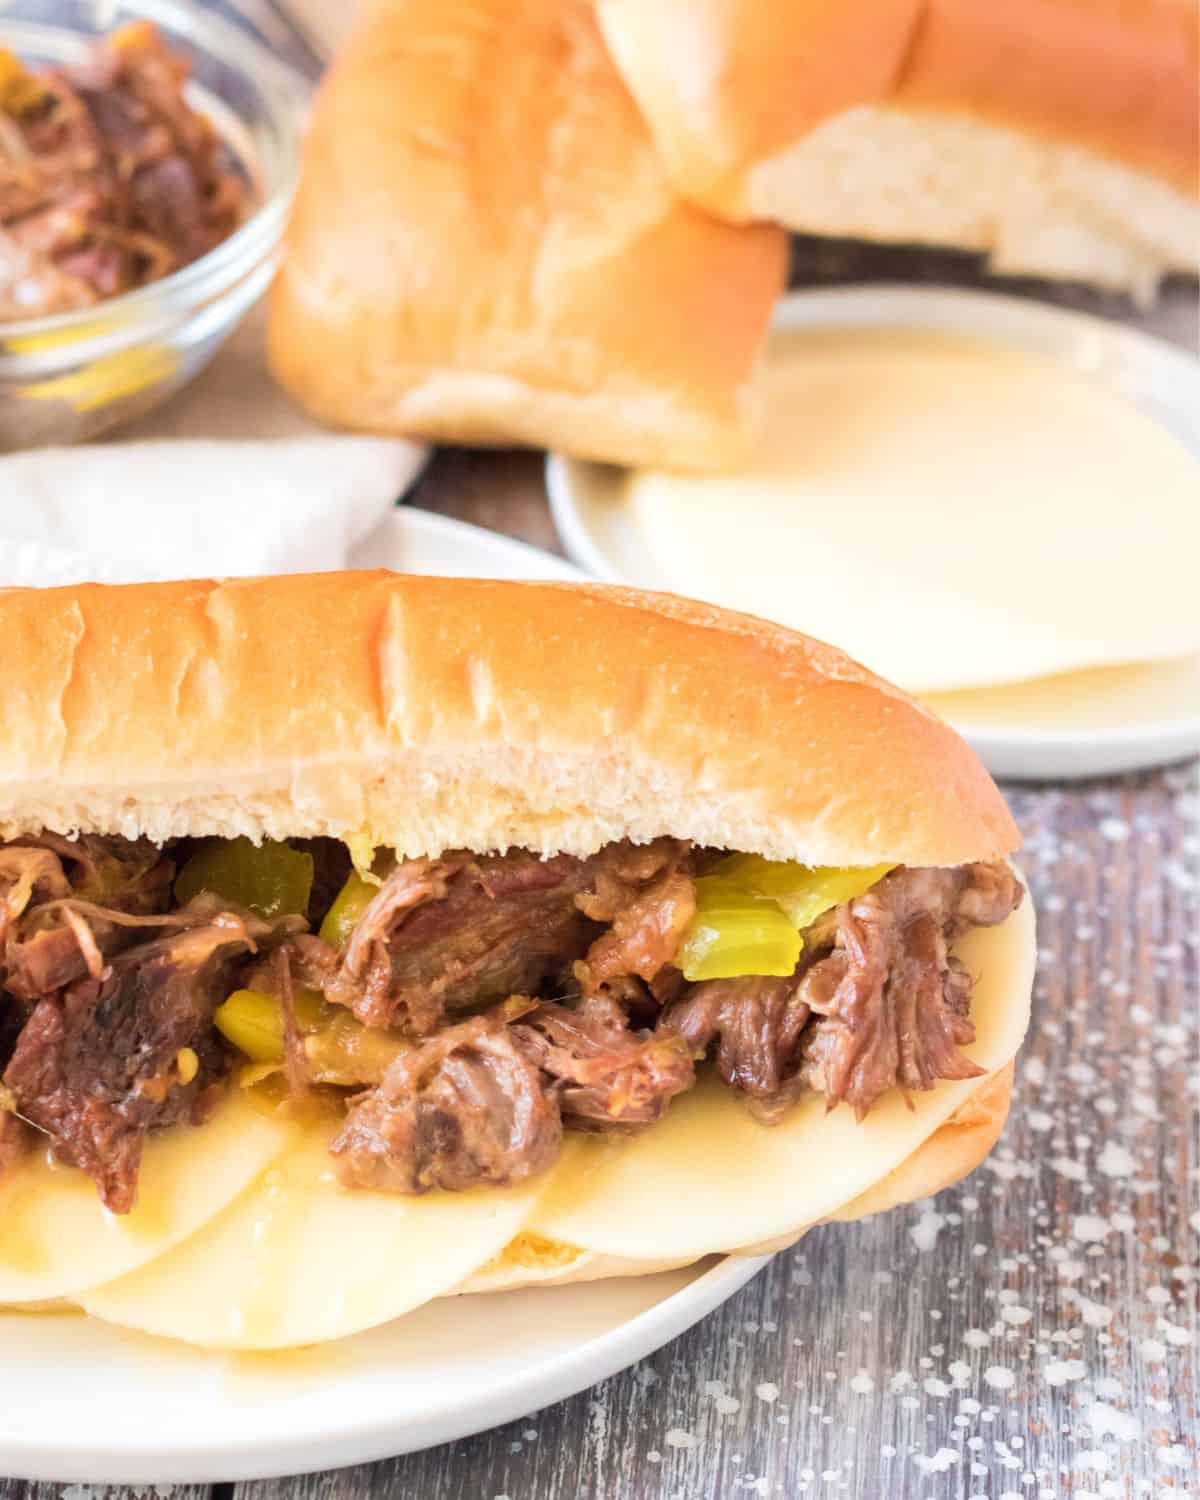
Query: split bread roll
pixel 485 249
pixel 422 715
pixel 1060 137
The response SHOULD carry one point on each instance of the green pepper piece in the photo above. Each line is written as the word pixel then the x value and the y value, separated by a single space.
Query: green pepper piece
pixel 804 892
pixel 253 1022
pixel 736 933
pixel 348 906
pixel 271 878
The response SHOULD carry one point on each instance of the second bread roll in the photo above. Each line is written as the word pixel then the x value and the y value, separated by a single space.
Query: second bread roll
pixel 485 249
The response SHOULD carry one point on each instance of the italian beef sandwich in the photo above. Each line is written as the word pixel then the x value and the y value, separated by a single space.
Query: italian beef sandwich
pixel 370 938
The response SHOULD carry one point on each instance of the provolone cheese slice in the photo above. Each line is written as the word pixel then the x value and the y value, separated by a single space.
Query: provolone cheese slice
pixel 57 1239
pixel 300 1260
pixel 908 485
pixel 708 1177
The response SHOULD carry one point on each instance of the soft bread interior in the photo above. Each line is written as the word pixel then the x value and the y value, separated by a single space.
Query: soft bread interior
pixel 1058 138
pixel 1034 207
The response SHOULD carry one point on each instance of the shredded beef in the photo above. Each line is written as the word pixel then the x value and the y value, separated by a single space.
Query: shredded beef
pixel 99 1067
pixel 451 934
pixel 891 999
pixel 459 1109
pixel 604 1076
pixel 108 178
pixel 109 993
pixel 648 900
pixel 877 1000
pixel 756 1024
pixel 485 1102
pixel 68 904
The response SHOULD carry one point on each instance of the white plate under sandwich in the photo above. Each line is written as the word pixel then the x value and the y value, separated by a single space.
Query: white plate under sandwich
pixel 1097 718
pixel 83 1401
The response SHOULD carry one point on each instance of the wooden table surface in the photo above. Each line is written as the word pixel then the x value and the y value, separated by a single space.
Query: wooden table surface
pixel 1033 1333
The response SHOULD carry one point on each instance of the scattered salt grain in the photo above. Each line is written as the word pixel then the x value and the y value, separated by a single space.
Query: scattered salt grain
pixel 1088 1228
pixel 1116 1161
pixel 1060 1371
pixel 941 1462
pixel 1105 1420
pixel 925 1231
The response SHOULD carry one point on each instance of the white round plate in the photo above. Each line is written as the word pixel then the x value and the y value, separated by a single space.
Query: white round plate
pixel 1083 724
pixel 82 1402
pixel 410 540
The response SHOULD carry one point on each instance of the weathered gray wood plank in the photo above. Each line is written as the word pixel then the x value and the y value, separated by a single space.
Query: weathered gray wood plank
pixel 14 1489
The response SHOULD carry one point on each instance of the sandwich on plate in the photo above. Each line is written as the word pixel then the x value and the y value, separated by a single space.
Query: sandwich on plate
pixel 368 939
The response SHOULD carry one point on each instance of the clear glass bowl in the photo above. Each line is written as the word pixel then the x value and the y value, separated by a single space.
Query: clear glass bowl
pixel 73 375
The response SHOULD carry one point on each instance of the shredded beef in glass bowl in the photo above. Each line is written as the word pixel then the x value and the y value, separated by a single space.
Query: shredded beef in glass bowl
pixel 148 153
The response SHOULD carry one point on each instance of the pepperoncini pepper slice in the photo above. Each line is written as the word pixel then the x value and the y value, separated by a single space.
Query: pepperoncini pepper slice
pixel 270 878
pixel 750 913
pixel 348 1054
pixel 736 932
pixel 253 1022
pixel 339 1050
pixel 803 892
pixel 348 906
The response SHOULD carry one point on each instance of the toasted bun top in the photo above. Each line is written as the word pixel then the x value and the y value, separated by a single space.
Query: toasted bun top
pixel 436 713
pixel 728 83
pixel 484 246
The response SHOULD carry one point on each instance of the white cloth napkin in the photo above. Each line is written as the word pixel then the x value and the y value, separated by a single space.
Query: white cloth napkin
pixel 228 479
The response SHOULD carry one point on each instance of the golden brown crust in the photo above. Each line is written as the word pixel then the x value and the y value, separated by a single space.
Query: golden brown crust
pixel 730 83
pixel 484 247
pixel 433 713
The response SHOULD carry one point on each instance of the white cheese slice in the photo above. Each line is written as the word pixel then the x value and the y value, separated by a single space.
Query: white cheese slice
pixel 708 1177
pixel 909 486
pixel 57 1238
pixel 300 1260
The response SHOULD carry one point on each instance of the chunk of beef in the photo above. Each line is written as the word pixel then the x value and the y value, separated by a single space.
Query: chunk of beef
pixel 129 875
pixel 891 999
pixel 111 1059
pixel 447 935
pixel 604 1076
pixel 647 898
pixel 459 1109
pixel 77 902
pixel 756 1024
